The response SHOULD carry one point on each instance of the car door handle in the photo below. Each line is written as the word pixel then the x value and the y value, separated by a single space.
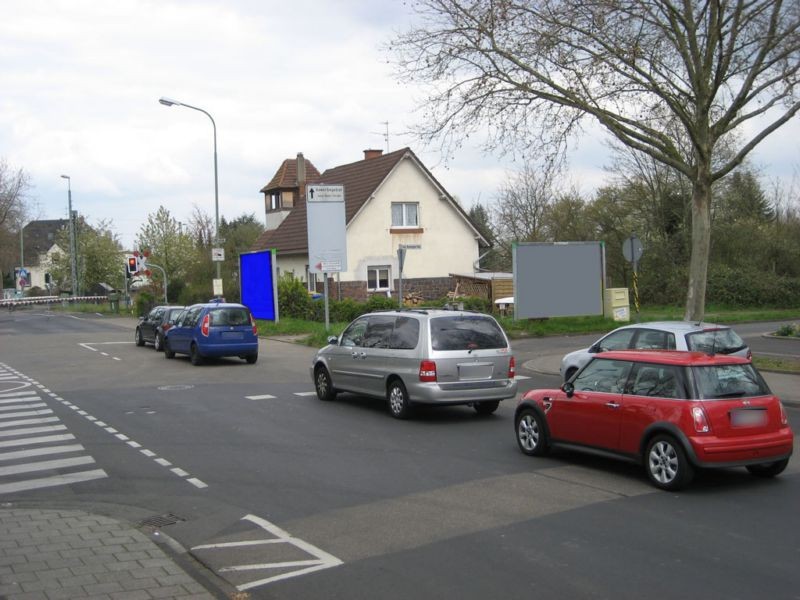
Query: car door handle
pixel 612 404
pixel 356 355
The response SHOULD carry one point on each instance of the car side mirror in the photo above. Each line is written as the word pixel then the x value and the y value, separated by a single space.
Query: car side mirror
pixel 595 348
pixel 568 388
pixel 333 340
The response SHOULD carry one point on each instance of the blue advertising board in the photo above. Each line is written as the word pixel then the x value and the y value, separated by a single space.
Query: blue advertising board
pixel 258 284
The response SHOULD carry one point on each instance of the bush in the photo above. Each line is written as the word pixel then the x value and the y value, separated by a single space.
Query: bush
pixel 293 298
pixel 380 302
pixel 344 311
pixel 144 303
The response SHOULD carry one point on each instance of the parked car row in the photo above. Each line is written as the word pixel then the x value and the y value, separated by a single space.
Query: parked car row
pixel 671 396
pixel 213 329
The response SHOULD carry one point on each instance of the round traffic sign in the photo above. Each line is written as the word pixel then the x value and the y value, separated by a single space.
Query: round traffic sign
pixel 632 249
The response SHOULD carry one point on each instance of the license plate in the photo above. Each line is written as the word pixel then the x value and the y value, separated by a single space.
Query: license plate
pixel 475 371
pixel 232 335
pixel 752 417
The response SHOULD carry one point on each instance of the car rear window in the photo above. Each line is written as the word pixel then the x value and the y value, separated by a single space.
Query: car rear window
pixel 229 316
pixel 729 381
pixel 715 341
pixel 466 332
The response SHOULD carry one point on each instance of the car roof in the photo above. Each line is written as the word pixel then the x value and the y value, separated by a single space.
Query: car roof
pixel 430 312
pixel 677 326
pixel 672 357
pixel 220 305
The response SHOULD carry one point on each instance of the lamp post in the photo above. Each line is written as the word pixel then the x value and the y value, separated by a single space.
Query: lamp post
pixel 72 247
pixel 170 102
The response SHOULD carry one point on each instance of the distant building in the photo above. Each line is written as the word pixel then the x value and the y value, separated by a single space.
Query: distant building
pixel 39 246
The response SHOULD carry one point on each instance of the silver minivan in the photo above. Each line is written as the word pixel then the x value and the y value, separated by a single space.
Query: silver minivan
pixel 419 357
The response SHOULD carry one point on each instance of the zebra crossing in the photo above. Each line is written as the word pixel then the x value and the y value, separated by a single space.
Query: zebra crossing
pixel 36 449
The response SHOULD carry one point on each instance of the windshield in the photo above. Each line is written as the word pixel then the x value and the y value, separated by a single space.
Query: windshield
pixel 466 332
pixel 729 381
pixel 715 341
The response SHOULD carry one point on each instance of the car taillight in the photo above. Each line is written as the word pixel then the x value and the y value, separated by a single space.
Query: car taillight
pixel 700 420
pixel 253 323
pixel 512 368
pixel 427 370
pixel 204 326
pixel 784 418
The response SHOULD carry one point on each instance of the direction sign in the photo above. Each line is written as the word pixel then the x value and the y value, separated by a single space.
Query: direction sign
pixel 218 254
pixel 326 193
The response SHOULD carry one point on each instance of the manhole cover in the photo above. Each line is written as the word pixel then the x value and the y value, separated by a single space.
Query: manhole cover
pixel 173 388
pixel 158 521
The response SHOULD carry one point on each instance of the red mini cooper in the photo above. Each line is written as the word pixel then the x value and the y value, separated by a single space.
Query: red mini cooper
pixel 668 410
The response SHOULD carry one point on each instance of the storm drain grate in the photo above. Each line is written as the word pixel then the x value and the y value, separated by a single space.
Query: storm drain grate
pixel 160 520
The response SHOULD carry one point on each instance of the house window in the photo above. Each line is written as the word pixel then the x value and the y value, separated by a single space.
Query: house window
pixel 377 279
pixel 311 278
pixel 405 214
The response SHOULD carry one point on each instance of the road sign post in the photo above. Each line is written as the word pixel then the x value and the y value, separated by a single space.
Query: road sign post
pixel 327 243
pixel 632 250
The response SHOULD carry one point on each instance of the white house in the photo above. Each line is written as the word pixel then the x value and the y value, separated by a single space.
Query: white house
pixel 39 244
pixel 390 199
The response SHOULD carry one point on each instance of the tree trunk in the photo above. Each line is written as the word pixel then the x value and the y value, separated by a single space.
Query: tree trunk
pixel 701 246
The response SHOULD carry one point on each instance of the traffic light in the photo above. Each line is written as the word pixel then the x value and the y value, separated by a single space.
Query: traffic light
pixel 133 265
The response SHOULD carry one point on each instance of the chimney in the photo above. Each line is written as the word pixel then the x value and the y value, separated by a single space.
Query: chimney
pixel 301 176
pixel 370 154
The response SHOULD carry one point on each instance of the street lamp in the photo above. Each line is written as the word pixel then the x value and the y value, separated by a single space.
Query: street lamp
pixel 171 102
pixel 72 247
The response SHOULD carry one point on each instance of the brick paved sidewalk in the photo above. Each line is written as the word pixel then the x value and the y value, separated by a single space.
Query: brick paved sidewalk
pixel 66 554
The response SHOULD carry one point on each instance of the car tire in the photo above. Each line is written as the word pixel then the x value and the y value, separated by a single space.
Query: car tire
pixel 138 337
pixel 768 469
pixel 666 463
pixel 397 397
pixel 167 352
pixel 487 407
pixel 531 433
pixel 323 384
pixel 158 343
pixel 251 358
pixel 569 373
pixel 194 355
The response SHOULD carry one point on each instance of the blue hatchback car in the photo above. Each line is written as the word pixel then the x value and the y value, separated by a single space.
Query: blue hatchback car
pixel 212 330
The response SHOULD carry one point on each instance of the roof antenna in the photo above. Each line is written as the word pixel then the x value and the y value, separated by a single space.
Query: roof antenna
pixel 385 134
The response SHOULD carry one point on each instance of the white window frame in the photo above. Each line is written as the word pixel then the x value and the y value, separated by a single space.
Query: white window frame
pixel 404 215
pixel 377 270
pixel 311 280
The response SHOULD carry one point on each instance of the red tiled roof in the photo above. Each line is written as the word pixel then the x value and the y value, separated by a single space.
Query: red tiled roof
pixel 286 175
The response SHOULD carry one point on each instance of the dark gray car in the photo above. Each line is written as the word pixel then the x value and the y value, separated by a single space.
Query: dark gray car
pixel 153 326
pixel 419 357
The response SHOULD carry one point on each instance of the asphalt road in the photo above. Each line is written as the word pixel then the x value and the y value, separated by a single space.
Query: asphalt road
pixel 284 496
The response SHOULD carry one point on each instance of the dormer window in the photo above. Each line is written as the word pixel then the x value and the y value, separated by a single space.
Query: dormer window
pixel 405 214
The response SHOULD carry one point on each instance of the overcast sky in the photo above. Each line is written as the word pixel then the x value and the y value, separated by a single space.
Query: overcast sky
pixel 80 82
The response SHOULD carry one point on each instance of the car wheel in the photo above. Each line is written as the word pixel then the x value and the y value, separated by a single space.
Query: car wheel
pixel 167 352
pixel 194 355
pixel 768 469
pixel 399 405
pixel 570 372
pixel 531 435
pixel 251 358
pixel 487 407
pixel 666 463
pixel 323 384
pixel 158 343
pixel 138 337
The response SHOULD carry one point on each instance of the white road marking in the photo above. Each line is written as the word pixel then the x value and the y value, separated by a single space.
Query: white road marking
pixel 30 430
pixel 18 394
pixel 46 439
pixel 305 393
pixel 321 559
pixel 23 406
pixel 23 400
pixel 68 479
pixel 26 413
pixel 262 397
pixel 41 451
pixel 4 424
pixel 46 465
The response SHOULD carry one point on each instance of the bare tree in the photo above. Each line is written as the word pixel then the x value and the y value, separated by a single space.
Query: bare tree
pixel 533 69
pixel 522 204
pixel 14 211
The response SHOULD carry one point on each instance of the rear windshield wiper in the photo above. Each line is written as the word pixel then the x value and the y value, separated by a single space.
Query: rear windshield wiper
pixel 738 394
